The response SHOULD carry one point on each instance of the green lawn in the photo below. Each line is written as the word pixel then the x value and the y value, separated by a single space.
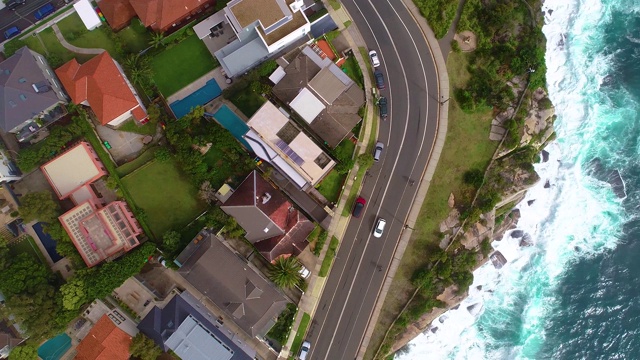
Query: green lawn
pixel 132 126
pixel 131 166
pixel 27 246
pixel 134 38
pixel 247 101
pixel 328 257
pixel 297 341
pixel 351 68
pixel 52 49
pixel 168 199
pixel 181 64
pixel 331 186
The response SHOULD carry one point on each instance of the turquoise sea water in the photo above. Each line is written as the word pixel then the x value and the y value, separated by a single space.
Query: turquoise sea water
pixel 574 294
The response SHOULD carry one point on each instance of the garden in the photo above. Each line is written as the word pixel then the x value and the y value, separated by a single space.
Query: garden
pixel 331 186
pixel 168 199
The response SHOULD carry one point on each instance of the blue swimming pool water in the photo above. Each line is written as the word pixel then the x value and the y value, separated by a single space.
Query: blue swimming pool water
pixel 54 348
pixel 47 242
pixel 208 92
pixel 232 122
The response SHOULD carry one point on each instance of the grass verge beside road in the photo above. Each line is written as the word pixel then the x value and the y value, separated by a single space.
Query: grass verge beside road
pixel 328 257
pixel 180 65
pixel 467 146
pixel 297 341
pixel 168 199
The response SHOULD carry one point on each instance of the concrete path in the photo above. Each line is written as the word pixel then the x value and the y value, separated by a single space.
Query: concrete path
pixel 73 48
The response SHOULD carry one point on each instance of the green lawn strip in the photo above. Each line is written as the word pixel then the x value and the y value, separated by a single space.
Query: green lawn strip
pixel 318 14
pixel 149 128
pixel 328 257
pixel 335 4
pixel 302 331
pixel 34 44
pixel 247 101
pixel 331 186
pixel 127 168
pixel 352 69
pixel 181 64
pixel 27 245
pixel 168 199
pixel 467 146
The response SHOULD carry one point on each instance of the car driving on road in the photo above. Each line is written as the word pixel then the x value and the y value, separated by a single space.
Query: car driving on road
pixel 375 61
pixel 379 79
pixel 379 229
pixel 358 207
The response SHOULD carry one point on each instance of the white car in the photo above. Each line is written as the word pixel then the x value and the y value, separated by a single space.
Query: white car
pixel 379 229
pixel 373 55
pixel 304 272
pixel 306 346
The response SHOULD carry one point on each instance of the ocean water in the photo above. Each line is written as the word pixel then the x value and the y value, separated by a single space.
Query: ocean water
pixel 575 293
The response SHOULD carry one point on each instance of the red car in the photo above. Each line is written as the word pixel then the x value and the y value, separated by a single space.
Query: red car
pixel 358 207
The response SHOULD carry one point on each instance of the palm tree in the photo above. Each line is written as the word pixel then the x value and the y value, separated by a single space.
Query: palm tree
pixel 138 69
pixel 156 40
pixel 285 272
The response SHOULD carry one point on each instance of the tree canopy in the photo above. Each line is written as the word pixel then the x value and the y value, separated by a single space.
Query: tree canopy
pixel 25 352
pixel 285 272
pixel 39 206
pixel 144 348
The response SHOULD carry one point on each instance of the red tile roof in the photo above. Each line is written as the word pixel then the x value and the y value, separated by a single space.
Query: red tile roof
pixel 161 14
pixel 105 341
pixel 326 49
pixel 101 83
pixel 139 113
pixel 293 242
pixel 118 12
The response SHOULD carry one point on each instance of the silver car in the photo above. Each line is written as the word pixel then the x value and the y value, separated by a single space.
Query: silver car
pixel 379 229
pixel 306 346
pixel 373 55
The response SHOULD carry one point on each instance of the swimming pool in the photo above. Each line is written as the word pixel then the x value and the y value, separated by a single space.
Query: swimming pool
pixel 48 243
pixel 208 92
pixel 232 122
pixel 54 348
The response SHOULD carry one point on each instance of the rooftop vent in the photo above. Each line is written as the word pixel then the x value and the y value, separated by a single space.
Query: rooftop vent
pixel 41 87
pixel 23 97
pixel 22 80
pixel 265 198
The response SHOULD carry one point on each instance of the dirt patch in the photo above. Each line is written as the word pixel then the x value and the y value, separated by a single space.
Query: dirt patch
pixel 467 40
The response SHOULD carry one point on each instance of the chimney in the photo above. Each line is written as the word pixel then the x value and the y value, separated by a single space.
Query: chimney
pixel 265 198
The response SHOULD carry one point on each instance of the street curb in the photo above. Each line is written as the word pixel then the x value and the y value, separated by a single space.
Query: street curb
pixel 434 157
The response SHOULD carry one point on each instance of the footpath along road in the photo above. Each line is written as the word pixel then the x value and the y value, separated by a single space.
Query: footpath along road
pixel 345 306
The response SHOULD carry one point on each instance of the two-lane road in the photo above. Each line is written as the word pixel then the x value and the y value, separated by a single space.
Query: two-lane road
pixel 355 281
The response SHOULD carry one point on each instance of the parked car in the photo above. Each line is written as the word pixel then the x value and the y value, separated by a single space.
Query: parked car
pixel 304 272
pixel 11 32
pixel 13 4
pixel 373 55
pixel 377 151
pixel 304 351
pixel 44 11
pixel 382 105
pixel 379 229
pixel 358 207
pixel 379 79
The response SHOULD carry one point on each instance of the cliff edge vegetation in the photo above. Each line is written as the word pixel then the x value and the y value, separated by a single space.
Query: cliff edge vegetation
pixel 500 119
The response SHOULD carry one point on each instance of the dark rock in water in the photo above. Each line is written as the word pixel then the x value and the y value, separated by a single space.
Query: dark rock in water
pixel 456 307
pixel 443 318
pixel 434 329
pixel 607 81
pixel 547 184
pixel 479 287
pixel 498 260
pixel 612 177
pixel 474 309
pixel 526 241
pixel 545 156
pixel 517 234
pixel 550 12
pixel 530 202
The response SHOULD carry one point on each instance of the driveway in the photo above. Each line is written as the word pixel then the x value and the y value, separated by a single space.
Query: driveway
pixel 125 146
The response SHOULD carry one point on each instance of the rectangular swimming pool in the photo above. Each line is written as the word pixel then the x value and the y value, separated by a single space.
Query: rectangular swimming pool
pixel 232 122
pixel 208 92
pixel 54 348
pixel 48 242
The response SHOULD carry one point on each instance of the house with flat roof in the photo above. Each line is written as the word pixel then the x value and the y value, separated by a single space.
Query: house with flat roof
pixel 101 84
pixel 99 231
pixel 158 15
pixel 272 224
pixel 191 332
pixel 104 341
pixel 324 97
pixel 262 27
pixel 277 140
pixel 31 96
pixel 241 293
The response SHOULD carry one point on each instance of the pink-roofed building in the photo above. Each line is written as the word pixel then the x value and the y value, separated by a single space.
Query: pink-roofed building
pixel 99 231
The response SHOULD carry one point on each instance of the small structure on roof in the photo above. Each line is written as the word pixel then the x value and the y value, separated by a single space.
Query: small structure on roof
pixel 87 14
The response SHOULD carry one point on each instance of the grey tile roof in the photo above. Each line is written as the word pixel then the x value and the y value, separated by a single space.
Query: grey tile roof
pixel 19 101
pixel 247 298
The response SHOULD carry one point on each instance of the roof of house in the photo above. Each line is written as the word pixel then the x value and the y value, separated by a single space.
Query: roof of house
pixel 164 327
pixel 20 76
pixel 268 12
pixel 261 209
pixel 100 82
pixel 250 300
pixel 117 12
pixel 293 242
pixel 73 169
pixel 105 341
pixel 161 14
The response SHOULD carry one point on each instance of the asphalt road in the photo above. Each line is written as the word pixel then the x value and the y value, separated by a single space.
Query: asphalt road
pixel 354 284
pixel 23 17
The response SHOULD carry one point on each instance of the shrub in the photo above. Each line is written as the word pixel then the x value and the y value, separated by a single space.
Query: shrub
pixel 473 177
